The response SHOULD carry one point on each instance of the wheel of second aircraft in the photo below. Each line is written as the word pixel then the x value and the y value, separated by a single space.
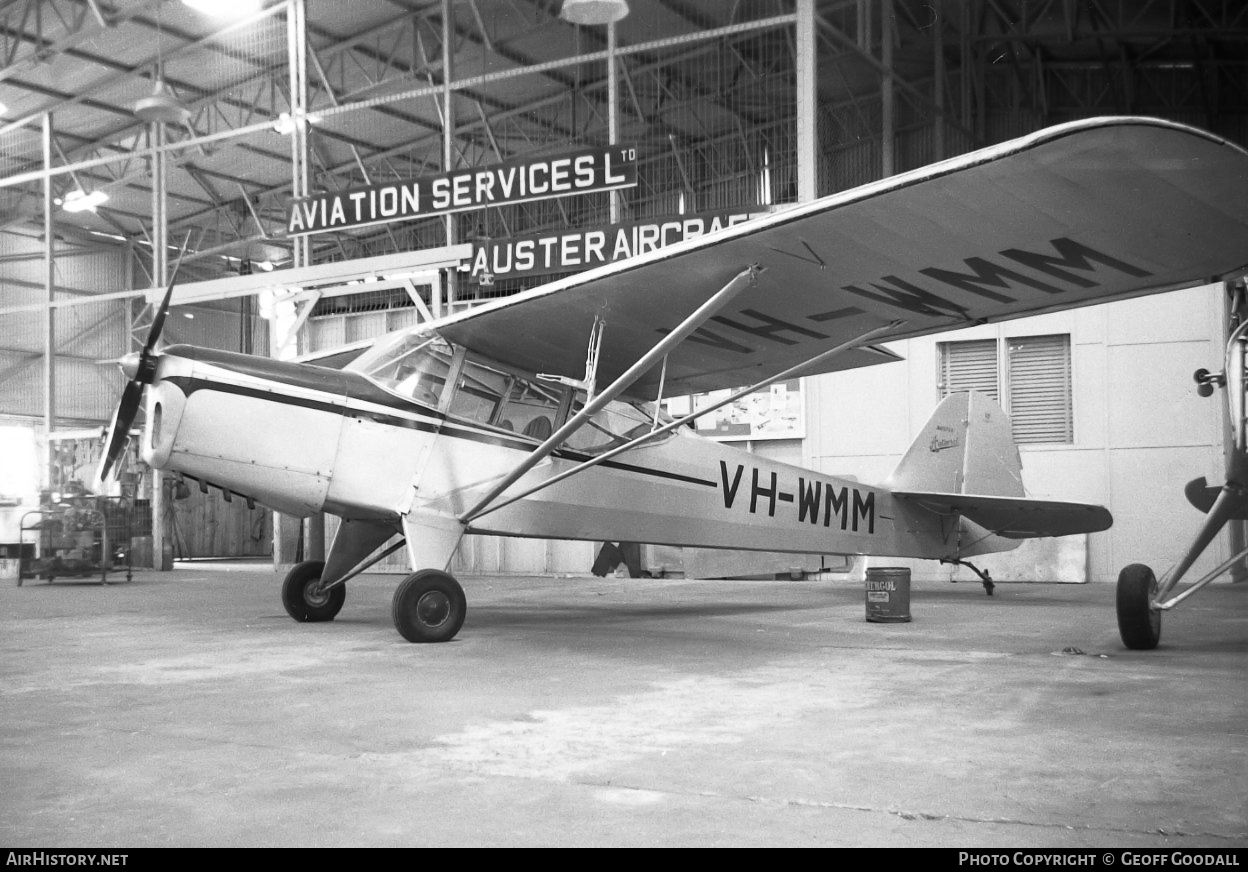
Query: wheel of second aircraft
pixel 1139 624
pixel 303 598
pixel 429 606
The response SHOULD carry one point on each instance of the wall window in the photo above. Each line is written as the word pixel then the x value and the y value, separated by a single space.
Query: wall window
pixel 1028 375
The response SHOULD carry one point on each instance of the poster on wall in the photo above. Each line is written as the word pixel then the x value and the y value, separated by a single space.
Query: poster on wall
pixel 774 412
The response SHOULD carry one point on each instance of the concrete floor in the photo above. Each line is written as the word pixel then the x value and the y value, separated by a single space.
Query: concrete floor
pixel 187 709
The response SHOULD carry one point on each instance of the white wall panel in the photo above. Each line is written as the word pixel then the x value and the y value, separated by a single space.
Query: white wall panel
pixel 1175 317
pixel 1153 522
pixel 1152 400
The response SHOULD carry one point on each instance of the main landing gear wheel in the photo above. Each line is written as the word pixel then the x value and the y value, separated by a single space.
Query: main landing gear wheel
pixel 429 606
pixel 1139 624
pixel 303 597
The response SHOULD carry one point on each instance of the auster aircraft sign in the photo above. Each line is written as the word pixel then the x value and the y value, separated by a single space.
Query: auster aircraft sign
pixel 580 172
pixel 584 248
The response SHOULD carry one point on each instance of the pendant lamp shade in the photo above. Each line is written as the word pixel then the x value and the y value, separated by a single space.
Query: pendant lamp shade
pixel 593 11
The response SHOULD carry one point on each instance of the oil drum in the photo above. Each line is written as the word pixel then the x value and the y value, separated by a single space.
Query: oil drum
pixel 888 594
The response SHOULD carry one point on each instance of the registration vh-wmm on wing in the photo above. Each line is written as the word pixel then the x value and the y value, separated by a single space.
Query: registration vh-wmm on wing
pixel 536 415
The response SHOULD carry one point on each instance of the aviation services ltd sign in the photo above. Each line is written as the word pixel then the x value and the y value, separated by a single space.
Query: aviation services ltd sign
pixel 580 172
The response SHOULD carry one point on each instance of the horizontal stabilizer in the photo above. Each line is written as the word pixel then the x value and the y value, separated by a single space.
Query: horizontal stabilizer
pixel 1015 517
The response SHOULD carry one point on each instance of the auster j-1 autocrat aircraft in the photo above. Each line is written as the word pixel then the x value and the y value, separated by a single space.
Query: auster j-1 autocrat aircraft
pixel 535 415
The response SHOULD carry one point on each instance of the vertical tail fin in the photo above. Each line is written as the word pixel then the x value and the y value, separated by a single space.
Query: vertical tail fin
pixel 965 448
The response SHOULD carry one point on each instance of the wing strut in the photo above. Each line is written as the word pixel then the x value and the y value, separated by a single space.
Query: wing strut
pixel 646 437
pixel 700 316
pixel 658 401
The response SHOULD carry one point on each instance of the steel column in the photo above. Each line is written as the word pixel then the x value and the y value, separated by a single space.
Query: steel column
pixel 613 111
pixel 49 323
pixel 160 276
pixel 448 136
pixel 938 86
pixel 807 118
pixel 297 29
pixel 296 33
pixel 888 131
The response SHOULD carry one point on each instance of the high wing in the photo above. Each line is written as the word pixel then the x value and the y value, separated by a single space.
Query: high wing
pixel 1015 517
pixel 1082 213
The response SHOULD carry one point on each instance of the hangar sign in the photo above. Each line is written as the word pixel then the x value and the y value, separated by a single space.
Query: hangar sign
pixel 579 172
pixel 587 247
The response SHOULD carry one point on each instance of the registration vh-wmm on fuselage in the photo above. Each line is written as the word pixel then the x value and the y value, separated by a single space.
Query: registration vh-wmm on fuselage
pixel 536 415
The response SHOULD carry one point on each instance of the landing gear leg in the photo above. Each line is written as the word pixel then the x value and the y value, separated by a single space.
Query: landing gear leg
pixel 982 573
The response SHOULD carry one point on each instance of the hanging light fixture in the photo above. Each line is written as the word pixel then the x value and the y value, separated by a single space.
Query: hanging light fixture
pixel 162 107
pixel 79 200
pixel 593 11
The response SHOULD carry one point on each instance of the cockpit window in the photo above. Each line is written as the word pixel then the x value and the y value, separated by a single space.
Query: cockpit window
pixel 612 426
pixel 490 395
pixel 414 365
pixel 418 365
pixel 478 392
pixel 532 408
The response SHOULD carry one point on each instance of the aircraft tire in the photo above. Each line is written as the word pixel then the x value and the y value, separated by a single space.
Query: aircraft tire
pixel 303 602
pixel 429 606
pixel 1139 625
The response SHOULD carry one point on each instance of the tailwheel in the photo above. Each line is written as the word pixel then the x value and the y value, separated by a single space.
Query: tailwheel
pixel 1139 624
pixel 303 597
pixel 429 606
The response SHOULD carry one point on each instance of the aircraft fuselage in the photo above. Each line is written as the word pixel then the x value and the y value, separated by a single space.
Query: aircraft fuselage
pixel 303 439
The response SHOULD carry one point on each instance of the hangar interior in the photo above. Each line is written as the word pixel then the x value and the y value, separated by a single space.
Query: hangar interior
pixel 132 129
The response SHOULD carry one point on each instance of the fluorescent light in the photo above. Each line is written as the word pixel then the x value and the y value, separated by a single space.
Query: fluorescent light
pixel 593 11
pixel 286 124
pixel 107 235
pixel 224 8
pixel 81 201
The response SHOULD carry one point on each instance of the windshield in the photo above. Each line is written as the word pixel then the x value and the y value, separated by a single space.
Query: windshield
pixel 614 425
pixel 413 365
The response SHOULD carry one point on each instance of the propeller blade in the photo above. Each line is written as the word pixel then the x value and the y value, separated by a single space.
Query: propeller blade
pixel 158 322
pixel 123 419
pixel 142 370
